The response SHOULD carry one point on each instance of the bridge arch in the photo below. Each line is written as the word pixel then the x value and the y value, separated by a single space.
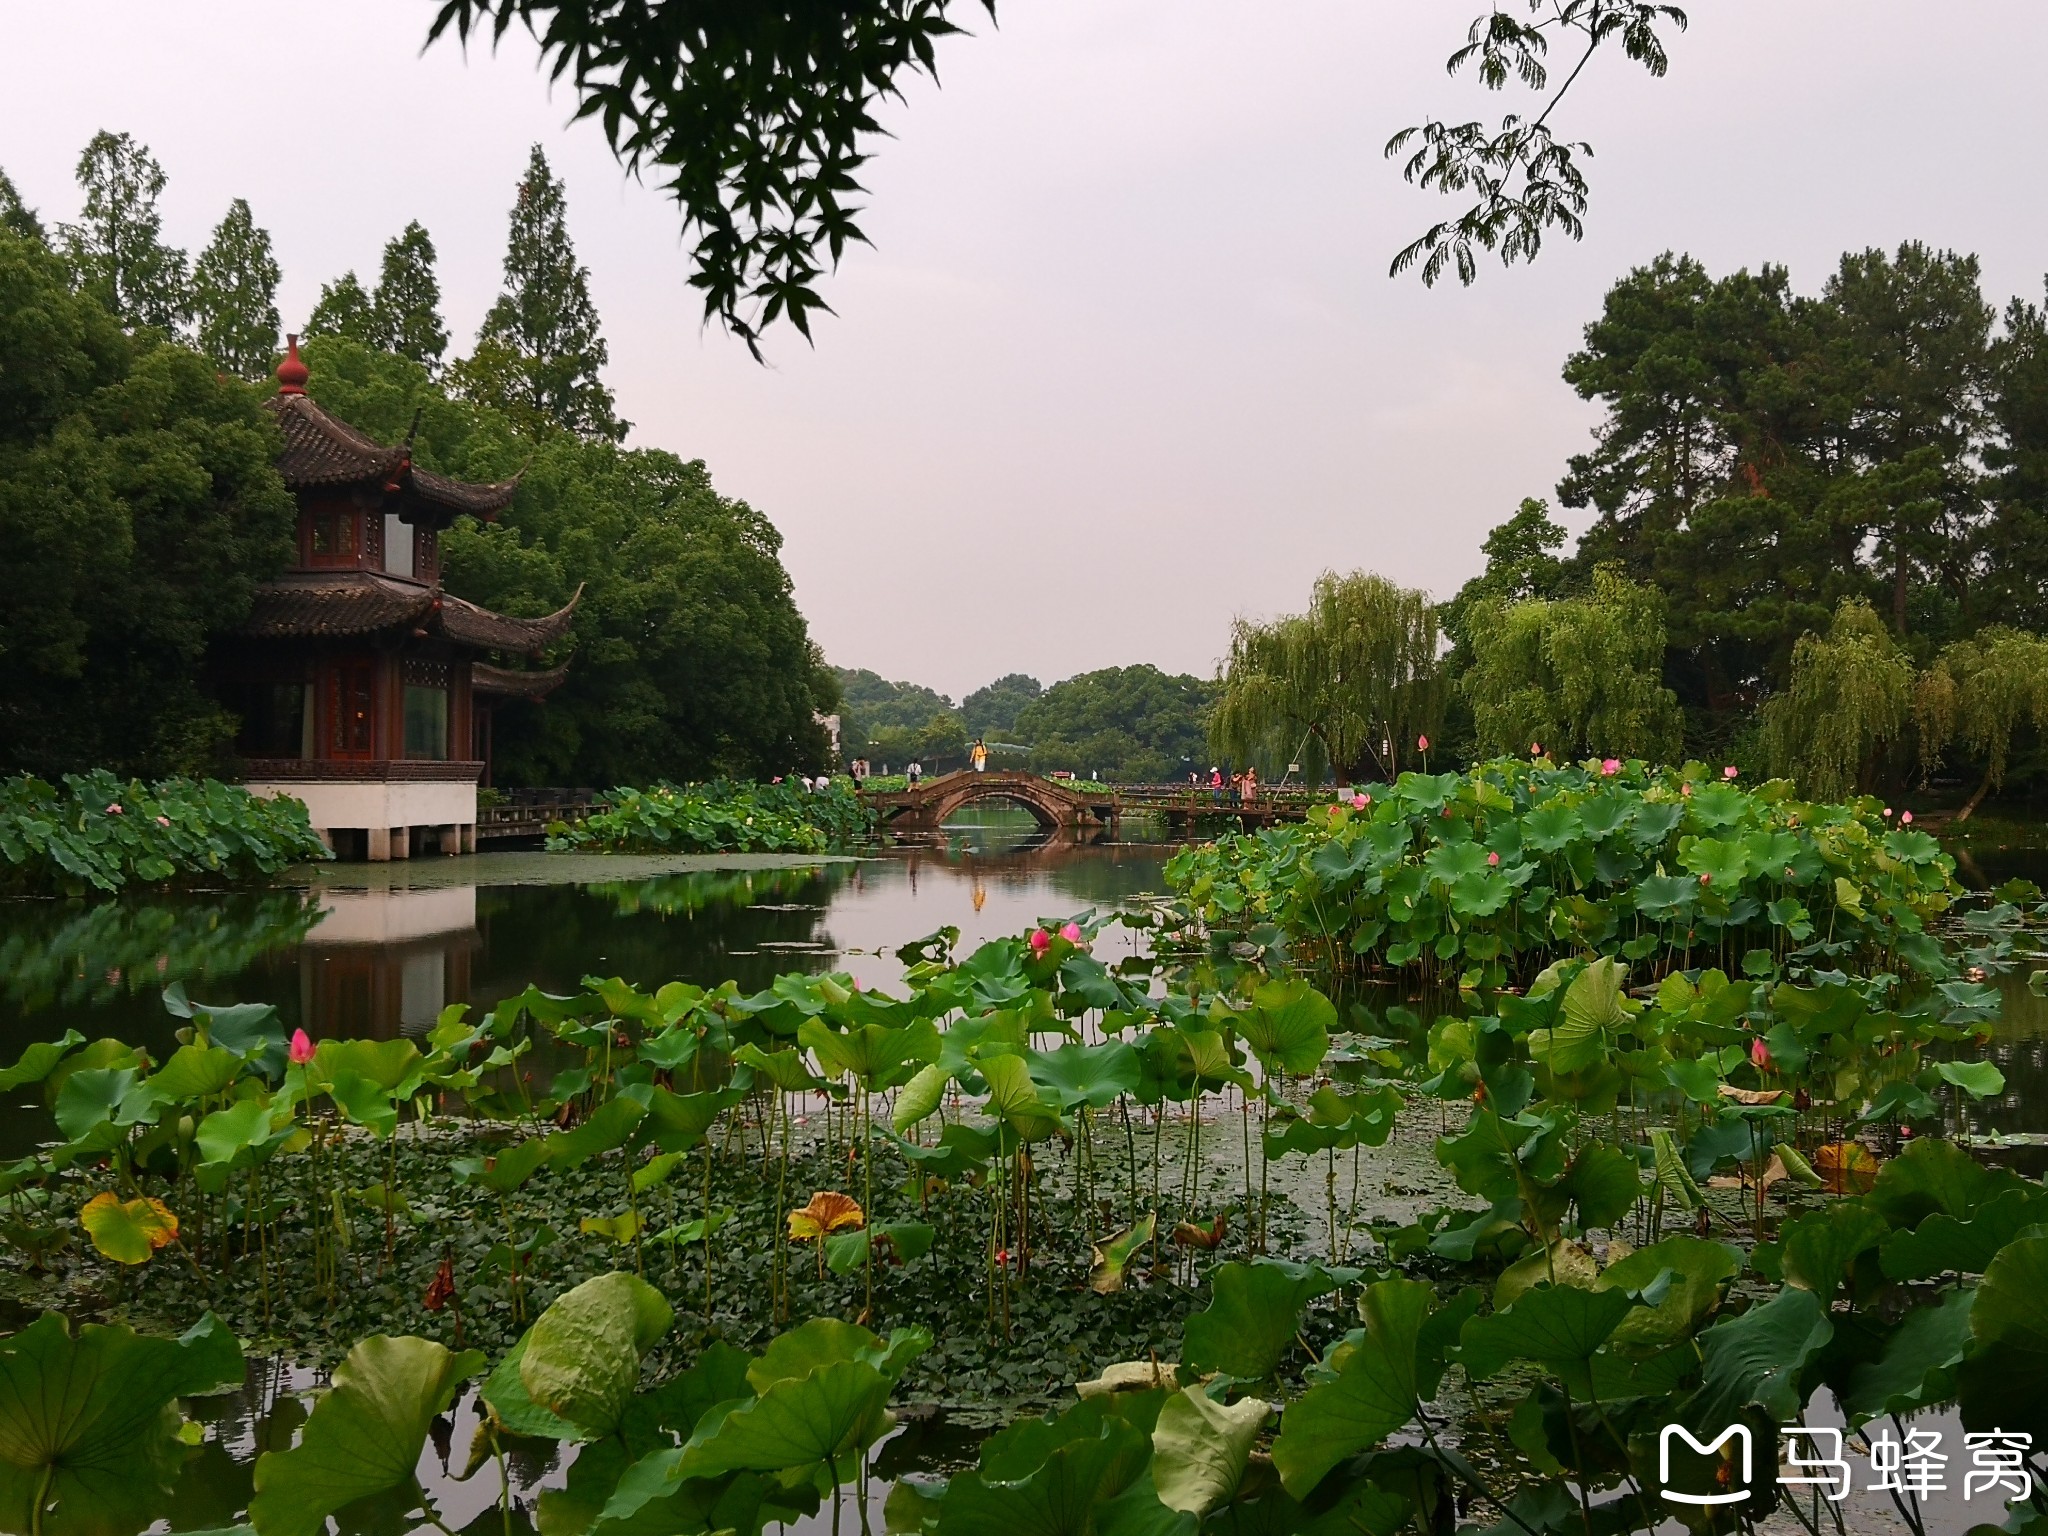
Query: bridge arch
pixel 1051 803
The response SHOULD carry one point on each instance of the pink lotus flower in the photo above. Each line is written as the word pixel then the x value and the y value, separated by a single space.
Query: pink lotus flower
pixel 1706 878
pixel 1905 818
pixel 1730 771
pixel 163 821
pixel 1041 941
pixel 1887 813
pixel 1760 1054
pixel 1360 802
pixel 1071 933
pixel 1493 861
pixel 114 810
pixel 301 1050
pixel 1422 743
pixel 1609 767
pixel 1535 749
pixel 1686 790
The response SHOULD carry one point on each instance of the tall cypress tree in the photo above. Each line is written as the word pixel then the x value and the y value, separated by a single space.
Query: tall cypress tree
pixel 116 247
pixel 408 300
pixel 16 217
pixel 539 352
pixel 234 295
pixel 344 308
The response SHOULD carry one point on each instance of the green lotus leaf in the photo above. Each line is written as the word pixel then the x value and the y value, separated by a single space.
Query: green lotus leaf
pixel 507 1170
pixel 505 1394
pixel 1979 1079
pixel 609 1127
pixel 1943 1244
pixel 2000 1384
pixel 902 1241
pixel 244 1132
pixel 919 1098
pixel 1048 1478
pixel 1288 1026
pixel 393 1065
pixel 87 1423
pixel 824 1418
pixel 1756 1358
pixel 1558 1327
pixel 1698 1273
pixel 1200 1448
pixel 582 1357
pixel 1095 1075
pixel 875 1055
pixel 364 1101
pixel 36 1062
pixel 1917 1368
pixel 786 1069
pixel 1253 1315
pixel 1372 1394
pixel 97 1096
pixel 827 1341
pixel 195 1072
pixel 1819 1250
pixel 363 1436
pixel 1930 1176
pixel 1014 1099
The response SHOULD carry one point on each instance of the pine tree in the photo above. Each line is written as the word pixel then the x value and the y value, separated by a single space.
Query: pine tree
pixel 344 309
pixel 407 304
pixel 116 248
pixel 539 352
pixel 16 217
pixel 234 295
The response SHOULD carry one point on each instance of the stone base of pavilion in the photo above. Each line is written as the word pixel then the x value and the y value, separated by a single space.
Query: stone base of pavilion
pixel 379 810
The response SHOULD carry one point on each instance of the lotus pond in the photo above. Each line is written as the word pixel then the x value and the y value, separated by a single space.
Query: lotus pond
pixel 1412 1168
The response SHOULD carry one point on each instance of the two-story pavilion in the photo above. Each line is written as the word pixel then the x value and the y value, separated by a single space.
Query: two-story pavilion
pixel 365 689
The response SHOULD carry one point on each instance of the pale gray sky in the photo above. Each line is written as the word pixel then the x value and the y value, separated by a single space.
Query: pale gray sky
pixel 1124 360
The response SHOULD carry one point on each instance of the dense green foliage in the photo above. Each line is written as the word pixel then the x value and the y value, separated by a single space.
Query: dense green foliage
pixel 402 314
pixel 1352 686
pixel 991 711
pixel 1577 675
pixel 1488 877
pixel 99 833
pixel 690 657
pixel 139 507
pixel 894 722
pixel 1134 725
pixel 1593 1124
pixel 234 296
pixel 720 817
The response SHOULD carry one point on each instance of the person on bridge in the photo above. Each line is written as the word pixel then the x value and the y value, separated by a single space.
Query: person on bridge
pixel 979 756
pixel 913 773
pixel 1216 783
pixel 1251 785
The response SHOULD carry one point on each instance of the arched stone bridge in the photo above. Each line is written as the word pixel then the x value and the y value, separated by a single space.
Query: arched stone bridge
pixel 1061 803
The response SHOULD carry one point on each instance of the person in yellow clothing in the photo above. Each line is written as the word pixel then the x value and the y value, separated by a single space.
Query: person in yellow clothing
pixel 978 756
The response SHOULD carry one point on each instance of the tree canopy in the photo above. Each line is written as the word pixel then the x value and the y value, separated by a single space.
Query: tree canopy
pixel 1133 724
pixel 234 296
pixel 117 247
pixel 540 350
pixel 991 710
pixel 1350 685
pixel 690 658
pixel 1582 676
pixel 139 507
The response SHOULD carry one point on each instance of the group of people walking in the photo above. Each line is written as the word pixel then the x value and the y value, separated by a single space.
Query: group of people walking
pixel 1243 787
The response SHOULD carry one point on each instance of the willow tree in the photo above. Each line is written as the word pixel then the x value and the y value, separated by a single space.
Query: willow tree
pixel 1980 691
pixel 1582 675
pixel 1850 697
pixel 1349 685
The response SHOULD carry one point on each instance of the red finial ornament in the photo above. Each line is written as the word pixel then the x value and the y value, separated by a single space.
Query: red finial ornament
pixel 292 373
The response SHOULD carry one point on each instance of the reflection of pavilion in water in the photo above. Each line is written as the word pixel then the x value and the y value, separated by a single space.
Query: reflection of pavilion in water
pixel 381 963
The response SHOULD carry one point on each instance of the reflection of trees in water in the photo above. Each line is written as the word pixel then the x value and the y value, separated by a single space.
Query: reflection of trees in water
pixel 705 926
pixel 1087 870
pixel 64 955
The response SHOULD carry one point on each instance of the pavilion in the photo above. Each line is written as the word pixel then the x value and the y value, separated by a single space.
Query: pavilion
pixel 364 688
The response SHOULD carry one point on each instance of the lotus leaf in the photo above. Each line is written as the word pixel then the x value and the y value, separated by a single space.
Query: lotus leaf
pixel 1917 1368
pixel 363 1436
pixel 1200 1448
pixel 583 1355
pixel 1756 1358
pixel 128 1231
pixel 1253 1316
pixel 87 1424
pixel 1113 1255
pixel 1373 1393
pixel 1999 1385
pixel 1288 1026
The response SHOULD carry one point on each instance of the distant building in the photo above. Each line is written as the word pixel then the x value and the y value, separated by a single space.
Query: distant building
pixel 365 690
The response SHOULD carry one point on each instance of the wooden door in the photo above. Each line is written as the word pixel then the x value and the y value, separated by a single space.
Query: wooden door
pixel 352 709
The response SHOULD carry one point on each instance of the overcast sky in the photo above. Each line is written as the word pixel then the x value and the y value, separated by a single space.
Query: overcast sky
pixel 1123 360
